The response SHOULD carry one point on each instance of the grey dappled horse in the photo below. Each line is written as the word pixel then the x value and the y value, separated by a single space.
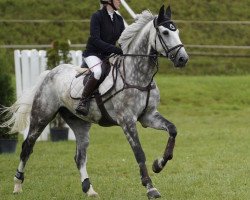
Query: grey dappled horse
pixel 133 98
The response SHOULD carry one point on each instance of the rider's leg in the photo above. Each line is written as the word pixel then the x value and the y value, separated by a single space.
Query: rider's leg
pixel 94 64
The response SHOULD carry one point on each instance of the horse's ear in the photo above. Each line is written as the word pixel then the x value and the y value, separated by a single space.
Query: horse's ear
pixel 168 12
pixel 161 15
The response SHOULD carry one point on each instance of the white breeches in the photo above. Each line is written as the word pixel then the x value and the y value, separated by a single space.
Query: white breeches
pixel 95 65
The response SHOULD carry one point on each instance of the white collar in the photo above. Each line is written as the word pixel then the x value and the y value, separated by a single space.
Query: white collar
pixel 111 14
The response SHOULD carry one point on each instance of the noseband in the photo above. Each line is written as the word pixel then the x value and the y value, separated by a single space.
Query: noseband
pixel 164 45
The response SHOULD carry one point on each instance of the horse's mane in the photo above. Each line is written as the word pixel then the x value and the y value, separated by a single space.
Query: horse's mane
pixel 132 30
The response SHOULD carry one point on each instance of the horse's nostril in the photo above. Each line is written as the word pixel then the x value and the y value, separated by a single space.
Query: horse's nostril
pixel 181 59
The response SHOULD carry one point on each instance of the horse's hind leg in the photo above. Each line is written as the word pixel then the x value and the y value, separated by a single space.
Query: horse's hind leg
pixel 41 115
pixel 81 131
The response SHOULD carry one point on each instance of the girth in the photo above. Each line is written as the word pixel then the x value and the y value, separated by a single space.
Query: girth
pixel 106 120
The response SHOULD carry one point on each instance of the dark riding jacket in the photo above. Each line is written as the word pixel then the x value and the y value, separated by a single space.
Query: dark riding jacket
pixel 104 33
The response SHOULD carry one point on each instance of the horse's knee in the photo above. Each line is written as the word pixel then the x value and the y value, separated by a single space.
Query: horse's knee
pixel 172 130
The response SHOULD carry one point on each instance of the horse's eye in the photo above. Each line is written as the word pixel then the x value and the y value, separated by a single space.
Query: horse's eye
pixel 165 33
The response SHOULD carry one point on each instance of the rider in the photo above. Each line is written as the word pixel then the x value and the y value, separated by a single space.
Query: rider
pixel 106 27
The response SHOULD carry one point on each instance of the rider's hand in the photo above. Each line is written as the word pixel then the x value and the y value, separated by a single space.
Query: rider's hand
pixel 118 51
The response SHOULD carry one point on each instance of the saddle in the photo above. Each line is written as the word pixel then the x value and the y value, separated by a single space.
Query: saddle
pixel 81 78
pixel 83 75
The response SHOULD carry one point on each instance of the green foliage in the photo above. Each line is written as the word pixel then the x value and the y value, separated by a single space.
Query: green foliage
pixel 5 66
pixel 59 53
pixel 211 158
pixel 6 92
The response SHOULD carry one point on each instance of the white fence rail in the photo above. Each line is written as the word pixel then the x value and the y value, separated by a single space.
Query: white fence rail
pixel 28 66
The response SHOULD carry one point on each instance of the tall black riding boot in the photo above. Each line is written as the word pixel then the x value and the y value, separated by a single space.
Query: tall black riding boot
pixel 83 106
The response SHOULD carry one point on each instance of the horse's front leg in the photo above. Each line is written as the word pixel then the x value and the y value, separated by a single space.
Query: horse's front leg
pixel 157 121
pixel 129 127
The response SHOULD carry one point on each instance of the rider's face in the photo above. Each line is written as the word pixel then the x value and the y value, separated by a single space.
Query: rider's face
pixel 117 4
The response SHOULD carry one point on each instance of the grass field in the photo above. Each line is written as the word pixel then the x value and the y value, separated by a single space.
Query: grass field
pixel 211 158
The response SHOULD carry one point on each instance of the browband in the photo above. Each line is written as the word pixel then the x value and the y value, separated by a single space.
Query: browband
pixel 171 26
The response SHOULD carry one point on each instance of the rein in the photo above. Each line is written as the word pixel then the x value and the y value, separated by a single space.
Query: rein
pixel 142 55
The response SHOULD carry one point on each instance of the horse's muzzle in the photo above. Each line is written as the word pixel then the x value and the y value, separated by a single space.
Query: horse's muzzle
pixel 181 59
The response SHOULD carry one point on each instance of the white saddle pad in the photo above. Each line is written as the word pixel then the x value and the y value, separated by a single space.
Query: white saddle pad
pixel 76 87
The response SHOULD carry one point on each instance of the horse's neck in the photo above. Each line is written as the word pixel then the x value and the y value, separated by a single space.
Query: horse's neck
pixel 140 69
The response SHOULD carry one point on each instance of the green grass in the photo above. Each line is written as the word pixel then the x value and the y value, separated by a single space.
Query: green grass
pixel 211 158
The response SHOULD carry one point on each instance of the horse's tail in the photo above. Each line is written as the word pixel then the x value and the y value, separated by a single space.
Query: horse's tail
pixel 17 115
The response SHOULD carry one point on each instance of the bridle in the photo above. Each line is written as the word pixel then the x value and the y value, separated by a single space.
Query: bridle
pixel 164 45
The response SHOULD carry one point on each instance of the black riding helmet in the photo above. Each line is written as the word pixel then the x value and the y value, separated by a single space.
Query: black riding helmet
pixel 110 2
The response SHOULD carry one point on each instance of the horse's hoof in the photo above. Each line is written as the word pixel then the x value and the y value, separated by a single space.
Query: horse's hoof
pixel 156 167
pixel 91 192
pixel 153 193
pixel 17 186
pixel 93 195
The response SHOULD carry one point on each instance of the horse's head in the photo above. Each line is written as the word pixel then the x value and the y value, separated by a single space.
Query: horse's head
pixel 167 41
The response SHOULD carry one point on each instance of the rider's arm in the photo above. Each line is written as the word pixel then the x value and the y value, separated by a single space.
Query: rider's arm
pixel 95 34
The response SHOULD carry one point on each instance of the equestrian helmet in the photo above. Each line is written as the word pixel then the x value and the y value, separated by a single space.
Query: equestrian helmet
pixel 104 1
pixel 109 2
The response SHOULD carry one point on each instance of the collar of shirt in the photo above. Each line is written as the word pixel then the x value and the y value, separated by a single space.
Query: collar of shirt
pixel 111 14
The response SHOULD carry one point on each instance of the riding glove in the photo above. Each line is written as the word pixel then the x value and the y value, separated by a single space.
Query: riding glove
pixel 118 51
